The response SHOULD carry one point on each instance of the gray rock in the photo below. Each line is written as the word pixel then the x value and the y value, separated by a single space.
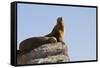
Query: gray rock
pixel 47 53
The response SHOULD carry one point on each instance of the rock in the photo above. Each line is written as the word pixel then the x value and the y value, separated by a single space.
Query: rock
pixel 47 53
pixel 50 59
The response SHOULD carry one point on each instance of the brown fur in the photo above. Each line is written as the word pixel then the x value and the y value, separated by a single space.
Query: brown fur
pixel 58 30
pixel 32 43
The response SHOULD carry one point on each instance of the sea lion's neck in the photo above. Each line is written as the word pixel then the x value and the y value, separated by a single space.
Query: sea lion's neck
pixel 61 25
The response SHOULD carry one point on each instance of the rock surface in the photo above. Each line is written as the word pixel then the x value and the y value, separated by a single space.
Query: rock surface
pixel 47 53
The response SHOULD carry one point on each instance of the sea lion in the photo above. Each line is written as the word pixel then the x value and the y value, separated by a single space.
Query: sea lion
pixel 34 42
pixel 58 30
pixel 57 35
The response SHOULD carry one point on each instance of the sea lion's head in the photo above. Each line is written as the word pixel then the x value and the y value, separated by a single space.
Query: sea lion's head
pixel 60 23
pixel 59 20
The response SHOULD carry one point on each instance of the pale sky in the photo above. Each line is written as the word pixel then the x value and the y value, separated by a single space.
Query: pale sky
pixel 80 27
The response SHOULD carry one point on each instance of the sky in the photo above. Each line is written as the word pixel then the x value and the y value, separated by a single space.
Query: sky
pixel 80 27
